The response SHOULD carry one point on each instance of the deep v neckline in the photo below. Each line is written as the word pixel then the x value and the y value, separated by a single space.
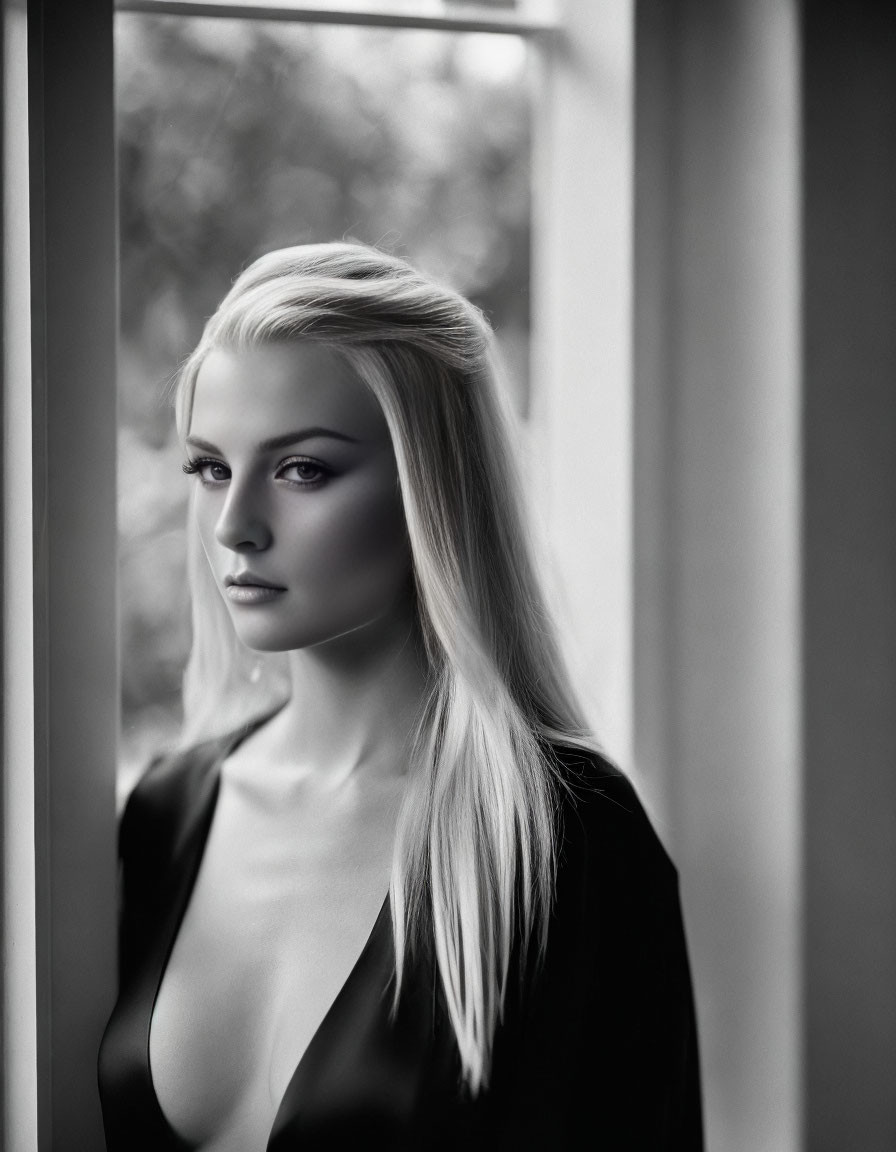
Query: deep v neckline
pixel 194 853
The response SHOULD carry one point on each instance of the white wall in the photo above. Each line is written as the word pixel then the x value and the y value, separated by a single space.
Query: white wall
pixel 717 690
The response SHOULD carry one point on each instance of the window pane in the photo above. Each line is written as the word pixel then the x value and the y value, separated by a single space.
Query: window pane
pixel 240 136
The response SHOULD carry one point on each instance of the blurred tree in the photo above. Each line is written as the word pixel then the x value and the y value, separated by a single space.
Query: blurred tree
pixel 236 137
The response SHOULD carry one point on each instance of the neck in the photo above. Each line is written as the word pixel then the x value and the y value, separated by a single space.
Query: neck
pixel 355 700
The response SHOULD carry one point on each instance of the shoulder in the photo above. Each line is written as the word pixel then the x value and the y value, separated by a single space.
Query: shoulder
pixel 616 940
pixel 155 827
pixel 166 782
pixel 173 801
pixel 606 1035
pixel 616 894
pixel 168 811
pixel 603 824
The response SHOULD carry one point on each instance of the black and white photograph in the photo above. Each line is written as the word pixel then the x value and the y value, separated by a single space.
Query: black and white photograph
pixel 449 576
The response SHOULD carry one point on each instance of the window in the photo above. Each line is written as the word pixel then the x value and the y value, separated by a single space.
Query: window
pixel 60 725
pixel 237 136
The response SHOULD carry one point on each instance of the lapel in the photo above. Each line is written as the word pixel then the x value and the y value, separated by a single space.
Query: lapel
pixel 362 1072
pixel 367 1070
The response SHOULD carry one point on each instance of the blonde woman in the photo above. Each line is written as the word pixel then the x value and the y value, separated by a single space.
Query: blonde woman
pixel 388 894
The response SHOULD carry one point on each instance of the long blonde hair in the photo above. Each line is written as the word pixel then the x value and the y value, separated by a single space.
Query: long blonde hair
pixel 474 859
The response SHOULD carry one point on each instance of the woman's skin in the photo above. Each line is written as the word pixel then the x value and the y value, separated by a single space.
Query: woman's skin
pixel 297 863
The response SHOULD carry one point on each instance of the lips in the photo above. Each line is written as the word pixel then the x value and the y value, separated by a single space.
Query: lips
pixel 250 580
pixel 250 588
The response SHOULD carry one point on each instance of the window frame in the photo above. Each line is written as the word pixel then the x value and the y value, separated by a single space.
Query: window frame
pixel 60 681
pixel 464 18
pixel 60 699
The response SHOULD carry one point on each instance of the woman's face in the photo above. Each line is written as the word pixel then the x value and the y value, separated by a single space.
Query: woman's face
pixel 297 502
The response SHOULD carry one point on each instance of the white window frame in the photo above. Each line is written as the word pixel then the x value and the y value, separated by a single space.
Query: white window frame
pixel 529 21
pixel 59 689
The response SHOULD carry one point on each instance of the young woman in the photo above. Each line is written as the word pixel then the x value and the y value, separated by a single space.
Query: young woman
pixel 388 895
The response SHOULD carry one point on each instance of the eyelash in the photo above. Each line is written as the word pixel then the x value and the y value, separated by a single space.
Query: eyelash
pixel 323 473
pixel 195 468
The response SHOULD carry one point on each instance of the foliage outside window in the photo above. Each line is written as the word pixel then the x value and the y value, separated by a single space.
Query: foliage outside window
pixel 240 136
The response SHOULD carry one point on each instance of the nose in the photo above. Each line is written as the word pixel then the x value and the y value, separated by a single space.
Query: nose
pixel 243 525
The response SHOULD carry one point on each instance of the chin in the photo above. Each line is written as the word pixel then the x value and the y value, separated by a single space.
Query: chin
pixel 362 631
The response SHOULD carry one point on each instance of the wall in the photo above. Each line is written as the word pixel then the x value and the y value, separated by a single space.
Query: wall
pixel 765 546
pixel 717 559
pixel 849 573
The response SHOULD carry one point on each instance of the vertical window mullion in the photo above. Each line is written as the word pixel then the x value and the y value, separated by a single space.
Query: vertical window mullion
pixel 18 973
pixel 75 718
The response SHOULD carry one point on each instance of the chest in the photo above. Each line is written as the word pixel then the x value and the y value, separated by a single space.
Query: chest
pixel 284 902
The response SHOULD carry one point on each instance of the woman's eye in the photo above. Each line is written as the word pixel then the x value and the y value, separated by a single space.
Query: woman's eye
pixel 210 472
pixel 303 472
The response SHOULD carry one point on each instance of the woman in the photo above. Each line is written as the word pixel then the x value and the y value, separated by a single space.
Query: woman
pixel 388 894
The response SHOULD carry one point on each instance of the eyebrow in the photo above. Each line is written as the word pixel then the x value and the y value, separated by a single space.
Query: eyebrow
pixel 283 441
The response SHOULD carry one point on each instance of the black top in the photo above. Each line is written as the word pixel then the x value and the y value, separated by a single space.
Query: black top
pixel 597 1050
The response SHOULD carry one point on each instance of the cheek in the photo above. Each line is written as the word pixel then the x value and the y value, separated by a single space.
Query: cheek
pixel 362 543
pixel 371 529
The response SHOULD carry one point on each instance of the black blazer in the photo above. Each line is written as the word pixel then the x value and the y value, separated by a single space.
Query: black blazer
pixel 597 1049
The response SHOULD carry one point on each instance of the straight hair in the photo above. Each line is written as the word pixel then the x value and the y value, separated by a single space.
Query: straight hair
pixel 475 851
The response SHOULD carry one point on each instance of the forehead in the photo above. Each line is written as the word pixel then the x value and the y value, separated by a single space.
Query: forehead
pixel 266 391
